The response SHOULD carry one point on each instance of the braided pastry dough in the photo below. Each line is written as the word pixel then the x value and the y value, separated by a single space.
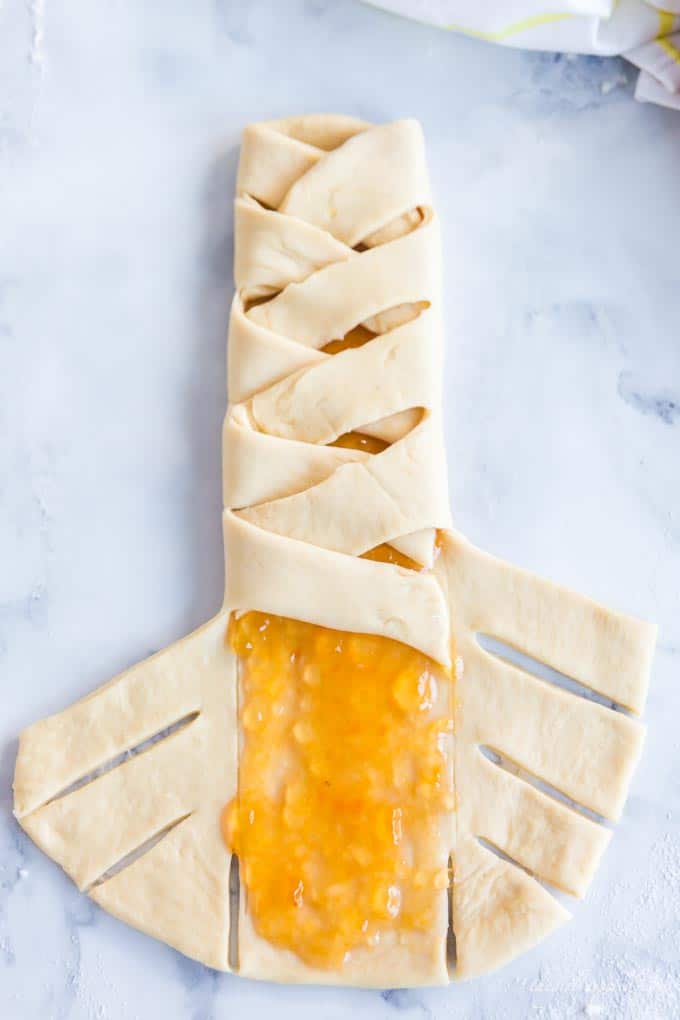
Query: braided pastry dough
pixel 335 233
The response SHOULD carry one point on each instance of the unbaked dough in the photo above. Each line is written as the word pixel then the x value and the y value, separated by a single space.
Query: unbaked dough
pixel 334 228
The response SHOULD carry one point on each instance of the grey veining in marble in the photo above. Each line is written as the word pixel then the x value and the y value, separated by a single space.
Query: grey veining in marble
pixel 119 126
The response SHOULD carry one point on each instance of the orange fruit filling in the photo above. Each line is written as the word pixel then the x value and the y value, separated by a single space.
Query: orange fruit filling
pixel 343 787
pixel 386 554
pixel 356 337
pixel 358 441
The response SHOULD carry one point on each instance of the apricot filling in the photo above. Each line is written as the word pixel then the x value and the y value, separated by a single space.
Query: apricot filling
pixel 356 337
pixel 343 785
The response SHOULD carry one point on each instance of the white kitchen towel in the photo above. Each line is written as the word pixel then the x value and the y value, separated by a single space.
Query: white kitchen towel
pixel 640 30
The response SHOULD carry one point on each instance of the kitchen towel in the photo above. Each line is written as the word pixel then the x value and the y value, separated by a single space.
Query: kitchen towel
pixel 640 30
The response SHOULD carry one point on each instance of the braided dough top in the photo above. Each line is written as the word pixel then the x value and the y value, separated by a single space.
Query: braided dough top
pixel 330 238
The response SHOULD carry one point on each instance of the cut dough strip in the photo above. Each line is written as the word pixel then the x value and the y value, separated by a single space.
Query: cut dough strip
pixel 261 468
pixel 580 748
pixel 317 404
pixel 542 835
pixel 273 250
pixel 508 655
pixel 93 828
pixel 606 651
pixel 503 762
pixel 275 154
pixel 176 893
pixel 58 751
pixel 332 301
pixel 257 358
pixel 327 196
pixel 290 578
pixel 325 514
pixel 499 912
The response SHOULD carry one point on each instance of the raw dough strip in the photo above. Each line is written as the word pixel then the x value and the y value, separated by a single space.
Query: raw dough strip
pixel 538 832
pixel 513 768
pixel 275 154
pixel 328 197
pixel 275 250
pixel 280 575
pixel 580 748
pixel 263 468
pixel 586 751
pixel 606 651
pixel 332 301
pixel 190 773
pixel 354 388
pixel 335 228
pixel 257 358
pixel 325 515
pixel 179 891
pixel 99 824
pixel 58 751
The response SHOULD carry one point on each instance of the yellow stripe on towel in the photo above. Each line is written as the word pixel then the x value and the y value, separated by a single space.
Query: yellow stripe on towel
pixel 666 20
pixel 668 47
pixel 535 21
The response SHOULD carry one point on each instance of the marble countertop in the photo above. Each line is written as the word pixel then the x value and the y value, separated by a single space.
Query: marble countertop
pixel 119 126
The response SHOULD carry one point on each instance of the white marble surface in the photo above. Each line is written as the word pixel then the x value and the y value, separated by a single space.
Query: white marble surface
pixel 561 213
